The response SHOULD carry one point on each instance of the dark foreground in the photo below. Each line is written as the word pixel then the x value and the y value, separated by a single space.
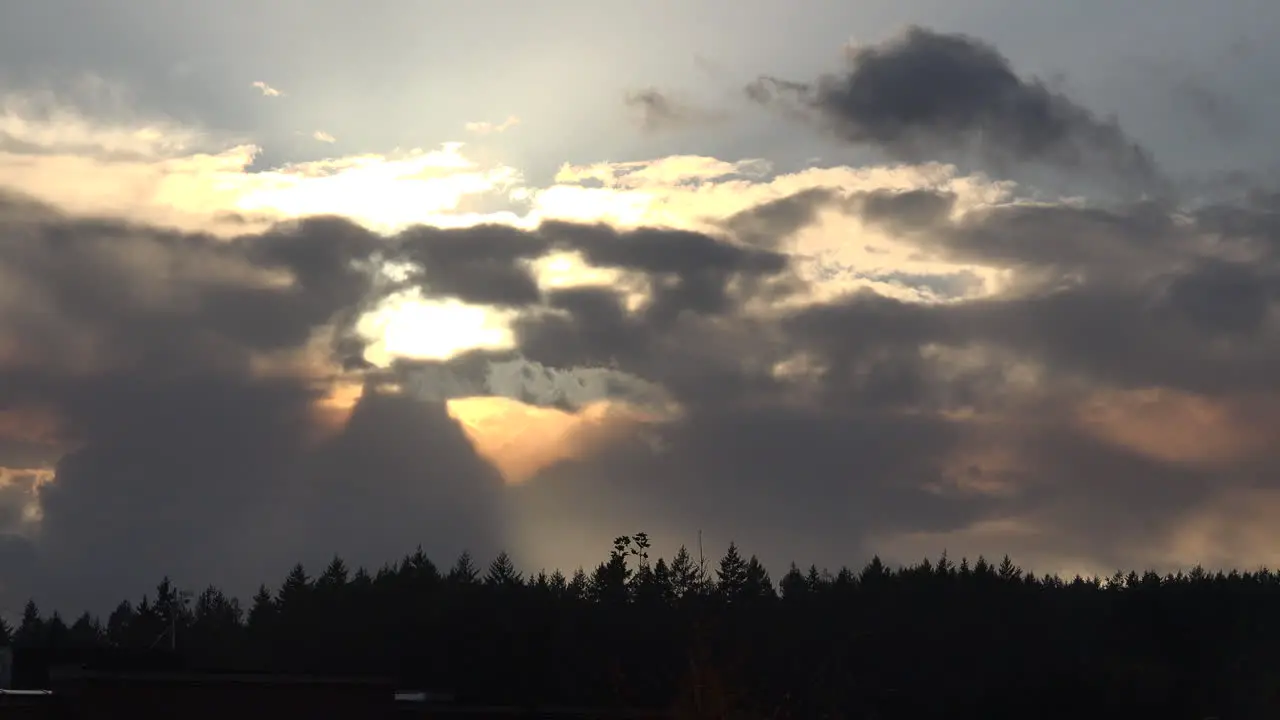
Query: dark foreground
pixel 685 639
pixel 101 695
pixel 77 692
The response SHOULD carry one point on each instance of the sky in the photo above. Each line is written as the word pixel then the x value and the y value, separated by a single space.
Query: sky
pixel 824 279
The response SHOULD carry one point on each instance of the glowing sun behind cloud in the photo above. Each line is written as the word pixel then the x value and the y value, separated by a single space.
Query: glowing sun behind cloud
pixel 409 326
pixel 188 178
pixel 520 439
pixel 386 193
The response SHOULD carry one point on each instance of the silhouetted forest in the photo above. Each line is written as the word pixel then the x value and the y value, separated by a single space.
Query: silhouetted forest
pixel 722 639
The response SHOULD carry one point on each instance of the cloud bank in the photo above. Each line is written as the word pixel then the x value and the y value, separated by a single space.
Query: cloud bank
pixel 212 371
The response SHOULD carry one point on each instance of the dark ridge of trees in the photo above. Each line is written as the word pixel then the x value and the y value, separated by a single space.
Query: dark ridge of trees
pixel 936 639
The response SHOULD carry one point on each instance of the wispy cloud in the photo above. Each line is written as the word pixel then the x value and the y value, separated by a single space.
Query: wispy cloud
pixel 659 110
pixel 158 171
pixel 487 128
pixel 44 123
pixel 267 90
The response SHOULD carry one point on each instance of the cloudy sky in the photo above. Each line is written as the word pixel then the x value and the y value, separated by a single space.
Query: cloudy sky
pixel 827 279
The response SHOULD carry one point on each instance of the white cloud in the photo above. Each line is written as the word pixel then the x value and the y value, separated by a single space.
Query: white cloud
pixel 158 171
pixel 385 192
pixel 323 136
pixel 42 123
pixel 267 90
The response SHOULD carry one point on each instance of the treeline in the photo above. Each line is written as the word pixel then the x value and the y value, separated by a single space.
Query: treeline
pixel 937 639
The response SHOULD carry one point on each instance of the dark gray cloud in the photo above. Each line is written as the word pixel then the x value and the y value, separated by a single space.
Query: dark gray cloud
pixel 489 264
pixel 925 92
pixel 478 265
pixel 592 328
pixel 1153 333
pixel 788 483
pixel 768 223
pixel 191 420
pixel 905 210
pixel 1114 241
pixel 811 431
pixel 401 470
pixel 180 453
pixel 862 439
pixel 689 271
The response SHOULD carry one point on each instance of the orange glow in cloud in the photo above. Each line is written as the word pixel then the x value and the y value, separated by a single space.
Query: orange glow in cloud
pixel 22 486
pixel 521 440
pixel 30 424
pixel 1177 427
pixel 1237 527
pixel 334 409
